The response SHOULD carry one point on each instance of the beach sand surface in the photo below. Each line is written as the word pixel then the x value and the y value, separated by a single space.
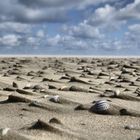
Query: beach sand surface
pixel 51 98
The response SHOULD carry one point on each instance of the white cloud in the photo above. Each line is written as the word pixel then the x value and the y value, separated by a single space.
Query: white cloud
pixel 83 30
pixel 134 28
pixel 31 40
pixel 109 16
pixel 68 42
pixel 104 12
pixel 54 41
pixel 80 4
pixel 10 40
pixel 133 35
pixel 18 12
pixel 36 11
pixel 105 17
pixel 131 11
pixel 116 45
pixel 15 27
pixel 40 34
pixel 21 23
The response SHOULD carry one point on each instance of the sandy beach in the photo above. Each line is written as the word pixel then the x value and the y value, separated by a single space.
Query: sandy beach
pixel 69 98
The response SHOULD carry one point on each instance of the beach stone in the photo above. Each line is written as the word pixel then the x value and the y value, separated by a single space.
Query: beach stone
pixel 31 73
pixel 15 85
pixel 45 67
pixel 9 89
pixel 55 120
pixel 52 87
pixel 38 87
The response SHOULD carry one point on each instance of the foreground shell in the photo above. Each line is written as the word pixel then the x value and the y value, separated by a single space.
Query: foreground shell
pixel 101 105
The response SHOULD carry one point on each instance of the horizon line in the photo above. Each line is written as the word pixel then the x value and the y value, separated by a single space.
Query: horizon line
pixel 62 55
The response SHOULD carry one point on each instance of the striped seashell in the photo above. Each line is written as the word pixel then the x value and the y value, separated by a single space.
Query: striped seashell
pixel 101 105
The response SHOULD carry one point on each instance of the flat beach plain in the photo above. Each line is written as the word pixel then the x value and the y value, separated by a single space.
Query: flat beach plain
pixel 50 98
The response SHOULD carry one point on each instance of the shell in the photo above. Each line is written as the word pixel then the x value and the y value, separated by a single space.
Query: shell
pixel 101 105
pixel 4 131
pixel 130 127
pixel 45 96
pixel 55 99
pixel 28 86
pixel 117 93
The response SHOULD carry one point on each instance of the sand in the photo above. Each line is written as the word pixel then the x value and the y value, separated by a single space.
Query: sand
pixel 54 98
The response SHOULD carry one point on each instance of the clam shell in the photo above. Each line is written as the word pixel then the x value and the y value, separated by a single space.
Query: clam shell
pixel 117 93
pixel 55 99
pixel 101 105
pixel 4 131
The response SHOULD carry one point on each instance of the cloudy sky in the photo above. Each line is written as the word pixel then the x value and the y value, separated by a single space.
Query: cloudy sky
pixel 81 27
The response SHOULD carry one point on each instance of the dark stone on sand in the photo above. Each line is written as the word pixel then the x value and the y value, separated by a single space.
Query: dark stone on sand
pixel 41 125
pixel 17 98
pixel 37 87
pixel 75 79
pixel 55 120
pixel 45 67
pixel 76 88
pixel 103 74
pixel 22 91
pixel 31 73
pixel 52 87
pixel 82 107
pixel 47 79
pixel 15 85
pixel 9 89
